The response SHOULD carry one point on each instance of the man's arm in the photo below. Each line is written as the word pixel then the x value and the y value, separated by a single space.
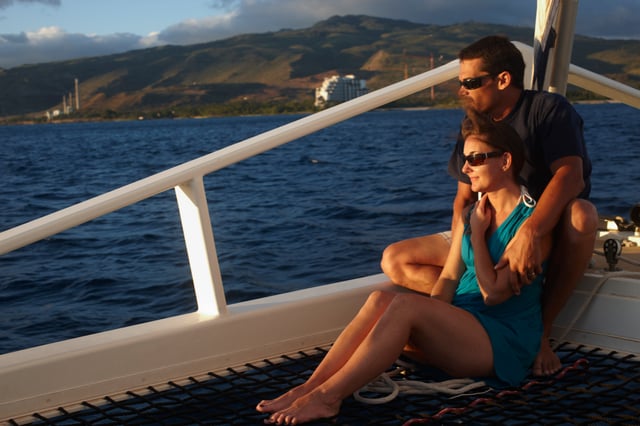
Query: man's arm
pixel 523 255
pixel 494 284
pixel 565 185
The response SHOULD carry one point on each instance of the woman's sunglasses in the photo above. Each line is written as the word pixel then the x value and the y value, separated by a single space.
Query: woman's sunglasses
pixel 479 159
pixel 473 82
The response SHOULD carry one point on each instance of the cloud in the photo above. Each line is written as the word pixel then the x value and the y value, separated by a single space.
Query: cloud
pixel 54 44
pixel 7 3
pixel 251 16
pixel 200 30
pixel 615 19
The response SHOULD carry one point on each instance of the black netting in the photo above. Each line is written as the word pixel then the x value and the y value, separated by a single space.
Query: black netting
pixel 595 387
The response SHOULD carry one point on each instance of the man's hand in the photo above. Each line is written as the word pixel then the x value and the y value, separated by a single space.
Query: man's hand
pixel 523 257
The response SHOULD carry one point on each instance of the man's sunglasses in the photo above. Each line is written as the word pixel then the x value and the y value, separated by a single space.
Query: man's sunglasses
pixel 473 82
pixel 479 159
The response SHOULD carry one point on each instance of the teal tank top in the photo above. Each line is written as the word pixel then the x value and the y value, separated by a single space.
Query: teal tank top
pixel 514 326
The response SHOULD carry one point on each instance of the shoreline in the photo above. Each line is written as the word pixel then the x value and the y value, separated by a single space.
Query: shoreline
pixel 8 121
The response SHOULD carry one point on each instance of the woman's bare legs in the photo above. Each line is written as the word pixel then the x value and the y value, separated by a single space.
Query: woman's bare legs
pixel 448 337
pixel 342 349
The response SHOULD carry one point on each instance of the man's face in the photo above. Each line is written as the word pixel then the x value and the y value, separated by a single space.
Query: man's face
pixel 481 91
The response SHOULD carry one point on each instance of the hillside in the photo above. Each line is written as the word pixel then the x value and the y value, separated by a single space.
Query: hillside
pixel 276 67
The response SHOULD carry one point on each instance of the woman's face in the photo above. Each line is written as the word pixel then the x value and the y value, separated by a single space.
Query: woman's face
pixel 485 165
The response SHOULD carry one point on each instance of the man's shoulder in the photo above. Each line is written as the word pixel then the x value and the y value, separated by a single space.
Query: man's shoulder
pixel 544 99
pixel 543 106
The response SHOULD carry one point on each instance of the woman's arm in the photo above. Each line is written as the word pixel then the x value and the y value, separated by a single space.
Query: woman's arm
pixel 495 285
pixel 445 288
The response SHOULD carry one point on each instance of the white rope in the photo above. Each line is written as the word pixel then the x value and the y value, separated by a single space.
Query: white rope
pixel 384 384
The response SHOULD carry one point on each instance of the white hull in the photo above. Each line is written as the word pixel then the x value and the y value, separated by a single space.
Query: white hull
pixel 604 314
pixel 154 353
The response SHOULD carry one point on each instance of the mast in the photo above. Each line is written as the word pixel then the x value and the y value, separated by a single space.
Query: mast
pixel 553 44
pixel 564 46
pixel 544 38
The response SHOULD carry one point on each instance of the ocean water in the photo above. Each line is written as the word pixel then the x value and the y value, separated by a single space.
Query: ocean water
pixel 315 211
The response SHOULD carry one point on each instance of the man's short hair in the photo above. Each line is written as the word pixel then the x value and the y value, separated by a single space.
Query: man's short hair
pixel 498 54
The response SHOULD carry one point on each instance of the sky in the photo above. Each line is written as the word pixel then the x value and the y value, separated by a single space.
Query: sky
pixel 35 31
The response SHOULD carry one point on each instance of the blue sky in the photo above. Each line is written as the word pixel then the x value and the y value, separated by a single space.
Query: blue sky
pixel 33 31
pixel 101 17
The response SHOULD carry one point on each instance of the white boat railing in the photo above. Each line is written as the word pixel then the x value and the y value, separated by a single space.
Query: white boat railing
pixel 187 178
pixel 604 86
pixel 216 337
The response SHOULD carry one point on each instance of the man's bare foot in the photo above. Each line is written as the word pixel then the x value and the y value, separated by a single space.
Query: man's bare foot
pixel 547 361
pixel 312 406
pixel 283 401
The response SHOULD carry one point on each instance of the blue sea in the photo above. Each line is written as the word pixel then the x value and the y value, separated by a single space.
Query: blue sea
pixel 318 210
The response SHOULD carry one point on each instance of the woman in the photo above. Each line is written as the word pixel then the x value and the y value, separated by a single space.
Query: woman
pixel 472 315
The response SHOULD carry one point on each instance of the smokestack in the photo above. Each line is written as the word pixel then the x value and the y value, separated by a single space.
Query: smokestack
pixel 77 96
pixel 433 88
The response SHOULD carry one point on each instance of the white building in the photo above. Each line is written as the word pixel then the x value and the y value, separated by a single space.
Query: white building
pixel 339 89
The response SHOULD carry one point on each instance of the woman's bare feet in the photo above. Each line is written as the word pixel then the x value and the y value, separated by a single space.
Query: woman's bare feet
pixel 283 401
pixel 312 406
pixel 547 361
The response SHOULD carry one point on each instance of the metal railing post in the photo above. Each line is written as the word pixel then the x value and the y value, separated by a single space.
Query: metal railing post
pixel 201 250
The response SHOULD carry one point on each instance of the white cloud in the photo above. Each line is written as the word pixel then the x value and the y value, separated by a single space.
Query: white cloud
pixel 150 40
pixel 201 30
pixel 54 44
pixel 253 16
pixel 45 34
pixel 6 3
pixel 616 18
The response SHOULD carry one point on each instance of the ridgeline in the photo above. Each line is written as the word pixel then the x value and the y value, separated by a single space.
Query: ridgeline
pixel 273 72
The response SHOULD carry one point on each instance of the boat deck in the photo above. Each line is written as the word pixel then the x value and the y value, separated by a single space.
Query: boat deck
pixel 595 387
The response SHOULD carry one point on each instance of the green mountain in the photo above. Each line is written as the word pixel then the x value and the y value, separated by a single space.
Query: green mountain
pixel 273 68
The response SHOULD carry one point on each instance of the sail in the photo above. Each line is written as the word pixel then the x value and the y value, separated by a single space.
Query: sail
pixel 544 39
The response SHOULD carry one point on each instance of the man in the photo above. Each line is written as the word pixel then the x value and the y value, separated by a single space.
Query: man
pixel 557 174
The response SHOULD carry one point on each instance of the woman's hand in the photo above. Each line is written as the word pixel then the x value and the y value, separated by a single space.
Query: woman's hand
pixel 481 216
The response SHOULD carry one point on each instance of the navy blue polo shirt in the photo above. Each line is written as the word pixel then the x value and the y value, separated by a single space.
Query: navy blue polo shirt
pixel 551 129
